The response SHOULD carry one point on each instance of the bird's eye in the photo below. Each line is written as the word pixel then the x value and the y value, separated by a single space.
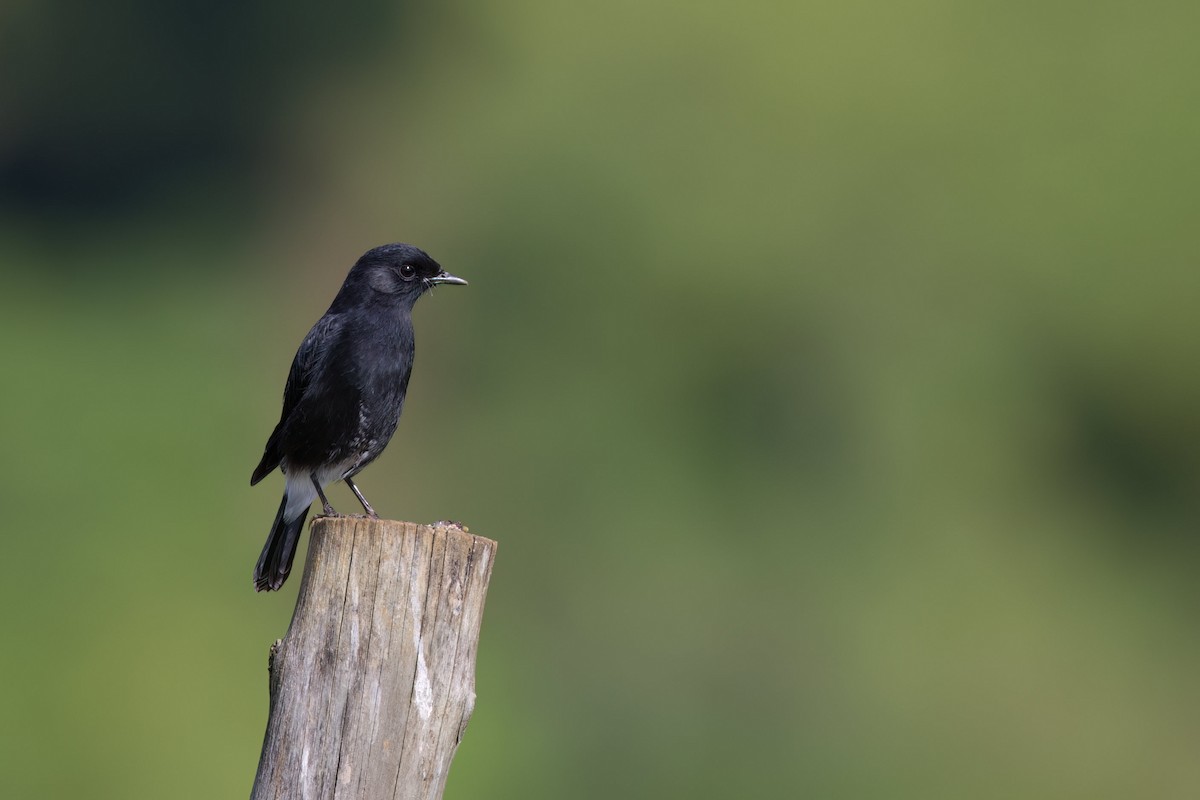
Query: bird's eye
pixel 407 271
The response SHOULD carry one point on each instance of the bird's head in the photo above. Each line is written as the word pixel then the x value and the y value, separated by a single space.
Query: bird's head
pixel 393 274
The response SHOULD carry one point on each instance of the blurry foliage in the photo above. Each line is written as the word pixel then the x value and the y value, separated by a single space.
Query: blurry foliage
pixel 827 374
pixel 108 106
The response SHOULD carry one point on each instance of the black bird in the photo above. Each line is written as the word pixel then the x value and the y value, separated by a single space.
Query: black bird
pixel 344 393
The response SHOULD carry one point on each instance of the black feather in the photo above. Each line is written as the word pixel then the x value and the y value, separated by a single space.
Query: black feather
pixel 277 554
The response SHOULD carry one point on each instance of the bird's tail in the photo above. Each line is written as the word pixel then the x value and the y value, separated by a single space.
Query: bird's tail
pixel 276 560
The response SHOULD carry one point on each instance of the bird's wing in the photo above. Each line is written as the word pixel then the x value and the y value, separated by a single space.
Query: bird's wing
pixel 307 357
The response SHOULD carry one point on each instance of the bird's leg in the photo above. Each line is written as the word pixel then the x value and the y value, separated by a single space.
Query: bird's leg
pixel 326 509
pixel 366 506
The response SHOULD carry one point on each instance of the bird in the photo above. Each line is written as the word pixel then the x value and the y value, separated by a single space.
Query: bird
pixel 344 393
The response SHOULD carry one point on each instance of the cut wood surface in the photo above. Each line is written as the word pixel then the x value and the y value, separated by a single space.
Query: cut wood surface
pixel 373 685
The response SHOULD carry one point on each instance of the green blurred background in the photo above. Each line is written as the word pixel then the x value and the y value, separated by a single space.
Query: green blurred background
pixel 828 375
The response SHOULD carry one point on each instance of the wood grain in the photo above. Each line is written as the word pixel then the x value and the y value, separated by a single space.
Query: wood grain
pixel 373 685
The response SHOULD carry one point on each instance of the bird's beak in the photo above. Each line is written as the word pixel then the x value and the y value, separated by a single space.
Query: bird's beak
pixel 446 277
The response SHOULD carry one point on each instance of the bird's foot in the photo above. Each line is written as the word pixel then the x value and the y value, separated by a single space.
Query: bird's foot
pixel 366 506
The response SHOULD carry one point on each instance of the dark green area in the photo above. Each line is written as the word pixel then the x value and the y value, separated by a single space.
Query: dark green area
pixel 828 375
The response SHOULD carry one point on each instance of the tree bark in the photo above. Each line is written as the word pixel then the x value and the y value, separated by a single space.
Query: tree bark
pixel 373 685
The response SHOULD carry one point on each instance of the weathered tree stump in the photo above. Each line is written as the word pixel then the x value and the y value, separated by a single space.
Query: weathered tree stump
pixel 373 685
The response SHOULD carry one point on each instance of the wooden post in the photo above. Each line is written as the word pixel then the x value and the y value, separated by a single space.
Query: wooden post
pixel 373 685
